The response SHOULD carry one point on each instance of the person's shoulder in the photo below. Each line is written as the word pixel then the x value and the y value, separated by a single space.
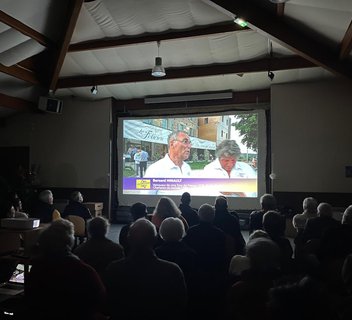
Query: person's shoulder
pixel 256 213
pixel 210 165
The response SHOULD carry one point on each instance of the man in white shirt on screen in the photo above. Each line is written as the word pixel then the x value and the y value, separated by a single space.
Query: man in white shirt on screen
pixel 226 166
pixel 173 165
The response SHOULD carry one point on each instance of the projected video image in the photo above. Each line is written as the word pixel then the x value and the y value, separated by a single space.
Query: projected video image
pixel 203 155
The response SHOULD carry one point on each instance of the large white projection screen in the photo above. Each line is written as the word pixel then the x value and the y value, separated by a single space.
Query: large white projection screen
pixel 221 154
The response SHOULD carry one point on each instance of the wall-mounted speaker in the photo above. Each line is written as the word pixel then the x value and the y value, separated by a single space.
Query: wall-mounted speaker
pixel 51 105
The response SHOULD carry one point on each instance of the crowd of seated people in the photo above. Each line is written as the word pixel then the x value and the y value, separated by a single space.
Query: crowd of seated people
pixel 160 267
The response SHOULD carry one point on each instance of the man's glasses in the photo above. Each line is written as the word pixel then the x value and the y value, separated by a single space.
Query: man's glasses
pixel 184 141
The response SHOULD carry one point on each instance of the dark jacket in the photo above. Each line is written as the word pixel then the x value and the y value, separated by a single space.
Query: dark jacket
pixel 76 208
pixel 189 214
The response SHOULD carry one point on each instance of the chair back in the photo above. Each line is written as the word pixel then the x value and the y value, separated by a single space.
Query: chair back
pixel 79 225
pixel 56 215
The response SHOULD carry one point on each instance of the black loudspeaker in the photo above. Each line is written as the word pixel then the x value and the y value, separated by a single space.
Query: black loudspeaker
pixel 51 105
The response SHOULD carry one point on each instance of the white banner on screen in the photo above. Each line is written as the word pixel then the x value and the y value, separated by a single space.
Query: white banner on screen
pixel 138 130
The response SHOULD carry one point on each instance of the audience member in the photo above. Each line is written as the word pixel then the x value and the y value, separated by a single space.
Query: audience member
pixel 12 213
pixel 187 211
pixel 17 205
pixel 173 249
pixel 310 206
pixel 304 300
pixel 166 208
pixel 274 225
pixel 258 271
pixel 44 210
pixel 98 251
pixel 142 286
pixel 315 227
pixel 209 243
pixel 267 202
pixel 60 285
pixel 76 207
pixel 299 221
pixel 138 210
pixel 229 223
pixel 335 245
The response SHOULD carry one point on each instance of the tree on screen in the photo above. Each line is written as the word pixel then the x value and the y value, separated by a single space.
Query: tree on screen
pixel 247 125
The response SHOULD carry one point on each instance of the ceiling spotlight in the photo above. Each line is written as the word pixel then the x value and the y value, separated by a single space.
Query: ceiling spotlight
pixel 94 90
pixel 158 70
pixel 241 22
pixel 271 75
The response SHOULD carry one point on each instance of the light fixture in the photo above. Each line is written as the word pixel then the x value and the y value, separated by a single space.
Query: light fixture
pixel 94 90
pixel 278 1
pixel 241 22
pixel 190 97
pixel 158 70
pixel 271 75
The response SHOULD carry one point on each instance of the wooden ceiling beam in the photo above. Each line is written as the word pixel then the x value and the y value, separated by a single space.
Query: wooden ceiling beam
pixel 20 73
pixel 16 103
pixel 26 30
pixel 261 65
pixel 73 11
pixel 154 37
pixel 346 44
pixel 274 27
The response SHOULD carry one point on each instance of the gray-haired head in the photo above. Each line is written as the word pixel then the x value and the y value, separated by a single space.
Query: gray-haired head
pixel 174 135
pixel 46 196
pixel 268 202
pixel 324 210
pixel 258 234
pixel 310 205
pixel 172 229
pixel 58 237
pixel 98 227
pixel 206 213
pixel 228 148
pixel 264 254
pixel 142 234
pixel 347 216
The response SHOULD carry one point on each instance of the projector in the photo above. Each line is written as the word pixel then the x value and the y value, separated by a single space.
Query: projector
pixel 20 223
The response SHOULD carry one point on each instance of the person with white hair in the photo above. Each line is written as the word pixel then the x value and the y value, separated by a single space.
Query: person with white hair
pixel 57 275
pixel 310 206
pixel 315 227
pixel 173 165
pixel 142 286
pixel 226 165
pixel 174 249
pixel 44 210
